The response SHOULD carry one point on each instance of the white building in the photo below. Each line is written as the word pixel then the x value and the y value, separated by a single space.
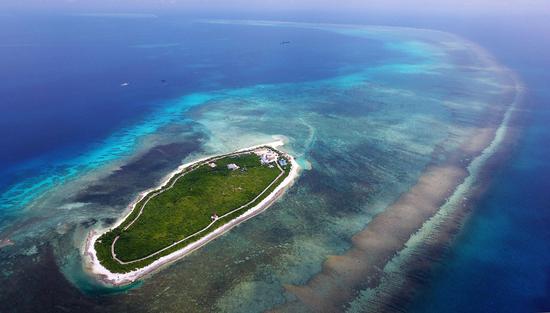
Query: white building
pixel 232 166
pixel 268 157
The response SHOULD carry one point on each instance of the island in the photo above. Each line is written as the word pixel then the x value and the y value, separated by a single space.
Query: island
pixel 194 205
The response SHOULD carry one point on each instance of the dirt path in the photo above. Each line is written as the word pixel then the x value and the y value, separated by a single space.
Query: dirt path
pixel 113 254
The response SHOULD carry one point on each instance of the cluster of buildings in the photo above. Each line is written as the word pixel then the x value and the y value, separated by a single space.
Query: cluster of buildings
pixel 267 156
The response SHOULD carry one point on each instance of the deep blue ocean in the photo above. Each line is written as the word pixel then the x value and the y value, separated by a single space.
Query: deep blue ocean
pixel 62 80
pixel 80 92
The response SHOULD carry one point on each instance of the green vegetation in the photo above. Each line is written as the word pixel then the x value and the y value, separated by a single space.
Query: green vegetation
pixel 185 205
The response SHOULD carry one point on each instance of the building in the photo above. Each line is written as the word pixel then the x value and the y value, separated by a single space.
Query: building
pixel 212 164
pixel 232 166
pixel 282 162
pixel 268 157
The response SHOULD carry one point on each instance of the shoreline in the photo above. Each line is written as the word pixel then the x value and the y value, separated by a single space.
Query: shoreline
pixel 93 267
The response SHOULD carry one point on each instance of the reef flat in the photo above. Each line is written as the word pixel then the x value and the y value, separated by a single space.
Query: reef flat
pixel 386 123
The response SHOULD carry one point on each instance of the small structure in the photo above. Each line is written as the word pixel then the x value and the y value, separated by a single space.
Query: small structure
pixel 282 162
pixel 214 217
pixel 212 164
pixel 268 157
pixel 232 166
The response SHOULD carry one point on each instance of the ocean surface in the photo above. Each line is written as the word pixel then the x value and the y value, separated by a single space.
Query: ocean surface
pixel 96 108
pixel 500 262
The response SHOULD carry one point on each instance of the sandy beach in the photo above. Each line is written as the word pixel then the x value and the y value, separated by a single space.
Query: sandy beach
pixel 93 267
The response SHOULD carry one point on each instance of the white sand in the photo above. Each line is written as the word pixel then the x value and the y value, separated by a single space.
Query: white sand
pixel 94 267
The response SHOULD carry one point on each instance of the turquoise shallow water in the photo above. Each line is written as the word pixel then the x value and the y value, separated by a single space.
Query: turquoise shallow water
pixel 365 131
pixel 117 146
